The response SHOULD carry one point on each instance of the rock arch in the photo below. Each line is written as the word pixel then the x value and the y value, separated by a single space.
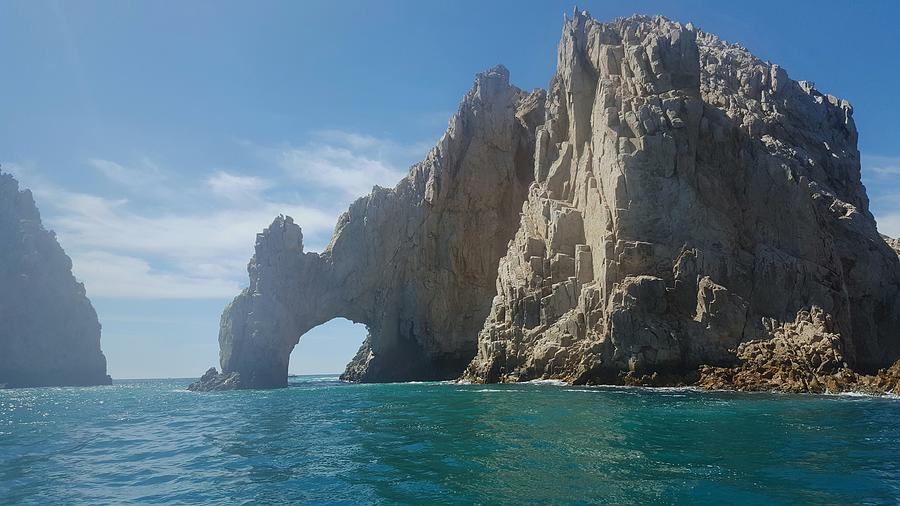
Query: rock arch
pixel 416 264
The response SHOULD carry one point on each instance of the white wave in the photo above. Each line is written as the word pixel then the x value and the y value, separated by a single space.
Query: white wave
pixel 649 388
pixel 489 390
pixel 556 382
pixel 864 395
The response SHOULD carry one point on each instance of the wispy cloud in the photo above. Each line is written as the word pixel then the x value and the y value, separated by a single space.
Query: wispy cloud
pixel 347 162
pixel 889 224
pixel 158 234
pixel 237 188
pixel 121 250
pixel 881 165
pixel 337 168
pixel 145 177
pixel 112 275
pixel 881 175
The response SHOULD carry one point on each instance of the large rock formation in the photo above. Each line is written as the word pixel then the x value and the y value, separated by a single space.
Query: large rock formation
pixel 693 216
pixel 49 333
pixel 416 264
pixel 693 205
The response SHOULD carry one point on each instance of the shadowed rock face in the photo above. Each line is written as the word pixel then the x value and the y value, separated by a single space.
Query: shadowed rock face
pixel 692 205
pixel 416 264
pixel 49 333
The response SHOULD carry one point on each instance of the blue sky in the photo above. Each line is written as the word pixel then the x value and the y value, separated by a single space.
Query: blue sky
pixel 160 137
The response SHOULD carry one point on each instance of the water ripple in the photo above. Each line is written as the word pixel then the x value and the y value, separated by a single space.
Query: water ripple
pixel 327 442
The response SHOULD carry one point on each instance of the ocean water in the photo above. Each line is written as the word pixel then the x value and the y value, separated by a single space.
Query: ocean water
pixel 324 442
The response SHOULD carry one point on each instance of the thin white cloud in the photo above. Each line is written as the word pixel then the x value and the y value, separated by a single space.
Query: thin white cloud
pixel 881 175
pixel 92 222
pixel 143 178
pixel 111 275
pixel 120 250
pixel 348 162
pixel 171 237
pixel 881 165
pixel 238 188
pixel 350 139
pixel 889 224
pixel 338 168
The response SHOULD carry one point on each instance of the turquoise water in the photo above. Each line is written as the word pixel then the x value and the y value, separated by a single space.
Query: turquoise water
pixel 323 442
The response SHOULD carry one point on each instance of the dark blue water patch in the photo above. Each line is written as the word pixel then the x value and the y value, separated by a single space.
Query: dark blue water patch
pixel 322 441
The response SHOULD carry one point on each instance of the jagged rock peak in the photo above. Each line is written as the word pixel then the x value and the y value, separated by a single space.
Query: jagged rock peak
pixel 690 202
pixel 49 333
pixel 688 213
pixel 416 264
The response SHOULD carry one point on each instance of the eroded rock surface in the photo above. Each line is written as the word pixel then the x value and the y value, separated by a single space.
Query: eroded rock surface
pixel 689 215
pixel 49 332
pixel 212 380
pixel 893 243
pixel 416 264
pixel 692 206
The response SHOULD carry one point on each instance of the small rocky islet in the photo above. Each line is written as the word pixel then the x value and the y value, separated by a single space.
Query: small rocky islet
pixel 671 211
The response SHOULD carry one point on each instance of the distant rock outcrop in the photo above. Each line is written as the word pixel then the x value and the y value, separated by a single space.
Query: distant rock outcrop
pixel 49 333
pixel 693 206
pixel 416 264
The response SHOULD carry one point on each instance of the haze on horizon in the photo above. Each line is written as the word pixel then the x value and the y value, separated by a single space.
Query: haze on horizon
pixel 159 139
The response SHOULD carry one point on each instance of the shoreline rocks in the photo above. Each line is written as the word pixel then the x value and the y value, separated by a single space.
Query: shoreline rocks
pixel 212 380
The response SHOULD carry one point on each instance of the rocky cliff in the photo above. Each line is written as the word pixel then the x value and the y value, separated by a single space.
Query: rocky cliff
pixel 416 264
pixel 673 210
pixel 49 333
pixel 692 205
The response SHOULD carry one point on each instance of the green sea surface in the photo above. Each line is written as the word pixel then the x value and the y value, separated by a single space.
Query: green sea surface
pixel 321 441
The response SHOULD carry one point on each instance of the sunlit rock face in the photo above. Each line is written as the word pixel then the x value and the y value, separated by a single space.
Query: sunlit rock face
pixel 893 243
pixel 49 333
pixel 416 264
pixel 692 205
pixel 673 210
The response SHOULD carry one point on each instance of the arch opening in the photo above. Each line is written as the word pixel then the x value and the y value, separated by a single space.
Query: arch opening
pixel 326 349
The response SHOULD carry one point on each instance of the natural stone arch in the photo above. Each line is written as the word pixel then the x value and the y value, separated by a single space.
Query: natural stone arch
pixel 416 264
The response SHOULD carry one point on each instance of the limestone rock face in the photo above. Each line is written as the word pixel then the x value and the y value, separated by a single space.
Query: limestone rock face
pixel 49 332
pixel 893 243
pixel 692 205
pixel 416 264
